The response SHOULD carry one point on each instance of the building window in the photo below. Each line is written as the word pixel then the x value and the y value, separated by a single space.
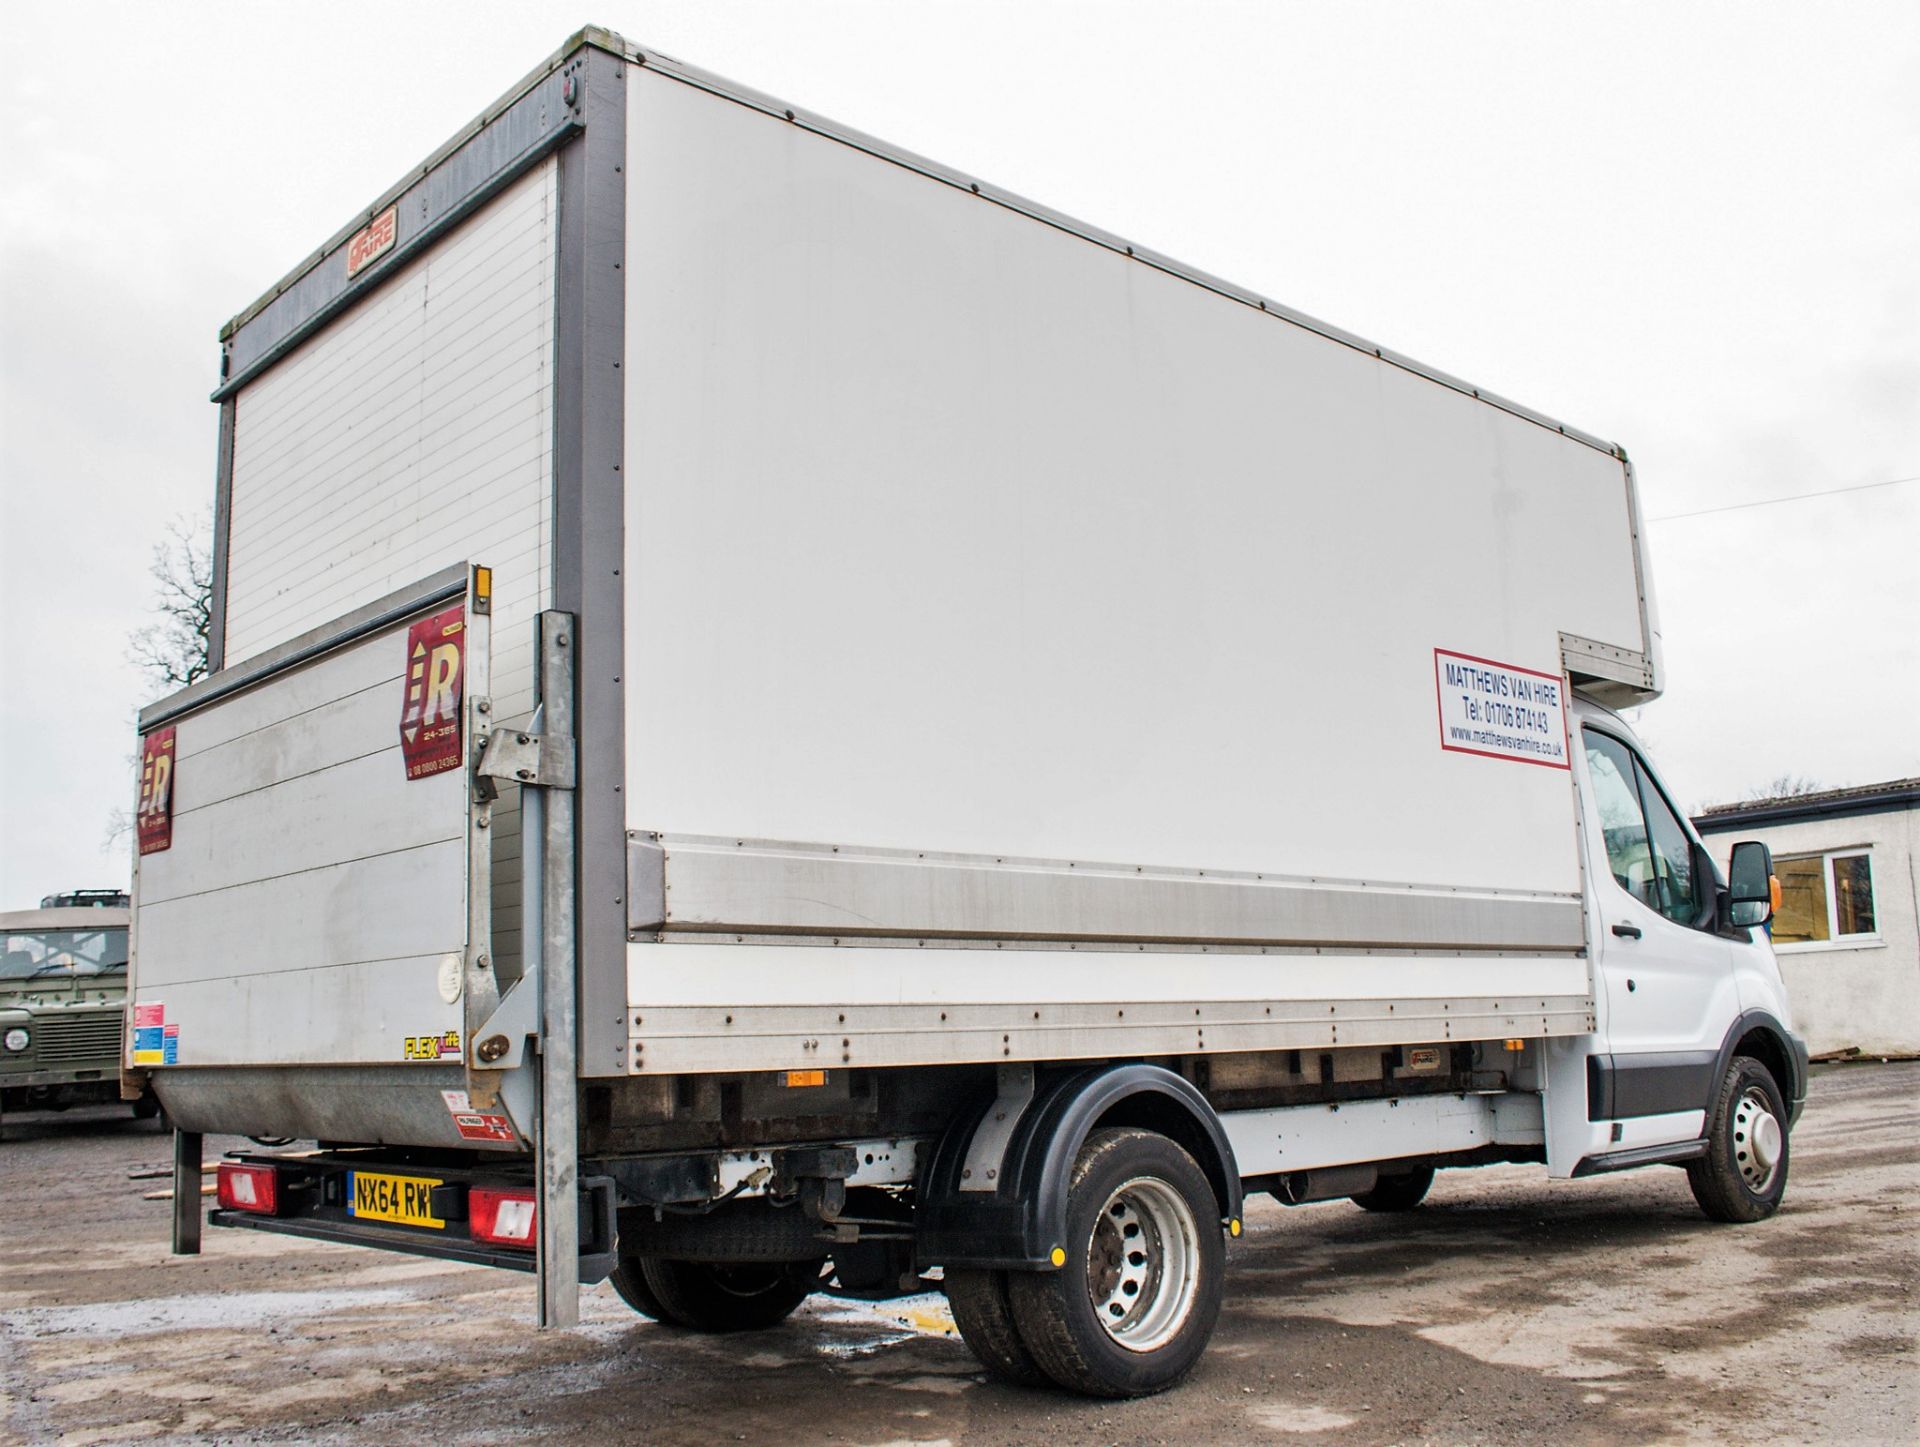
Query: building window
pixel 1825 898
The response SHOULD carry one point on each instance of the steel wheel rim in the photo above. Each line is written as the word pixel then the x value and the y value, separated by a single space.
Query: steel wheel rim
pixel 746 1282
pixel 1758 1142
pixel 1143 1264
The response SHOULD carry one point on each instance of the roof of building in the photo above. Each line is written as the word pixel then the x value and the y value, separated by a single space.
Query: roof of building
pixel 1856 799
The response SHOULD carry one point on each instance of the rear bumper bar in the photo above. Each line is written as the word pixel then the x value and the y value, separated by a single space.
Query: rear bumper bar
pixel 474 1253
pixel 312 1207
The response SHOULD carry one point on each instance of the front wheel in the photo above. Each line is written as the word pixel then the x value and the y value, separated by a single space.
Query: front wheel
pixel 1131 1308
pixel 1743 1175
pixel 717 1297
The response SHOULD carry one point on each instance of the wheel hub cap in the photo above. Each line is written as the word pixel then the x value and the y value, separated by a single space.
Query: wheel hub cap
pixel 1758 1141
pixel 1143 1264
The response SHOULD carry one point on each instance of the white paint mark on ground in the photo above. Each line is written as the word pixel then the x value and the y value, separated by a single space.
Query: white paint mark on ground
pixel 1292 1417
pixel 192 1313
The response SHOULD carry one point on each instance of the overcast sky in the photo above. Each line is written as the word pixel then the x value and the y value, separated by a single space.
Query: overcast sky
pixel 1691 228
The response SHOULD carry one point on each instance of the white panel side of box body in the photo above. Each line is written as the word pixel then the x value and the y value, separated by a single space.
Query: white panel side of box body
pixel 414 432
pixel 948 529
pixel 311 892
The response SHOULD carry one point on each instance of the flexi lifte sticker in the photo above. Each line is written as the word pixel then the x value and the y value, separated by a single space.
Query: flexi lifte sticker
pixel 431 1047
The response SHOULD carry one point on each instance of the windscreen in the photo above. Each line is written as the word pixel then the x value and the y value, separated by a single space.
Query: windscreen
pixel 62 954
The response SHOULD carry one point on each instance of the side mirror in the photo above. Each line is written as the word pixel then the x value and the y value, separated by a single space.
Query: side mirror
pixel 1750 883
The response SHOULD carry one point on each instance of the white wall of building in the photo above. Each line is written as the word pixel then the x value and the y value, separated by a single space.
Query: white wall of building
pixel 1853 994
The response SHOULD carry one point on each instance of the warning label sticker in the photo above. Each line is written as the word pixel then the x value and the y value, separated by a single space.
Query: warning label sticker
pixel 155 1042
pixel 1500 711
pixel 476 1125
pixel 430 717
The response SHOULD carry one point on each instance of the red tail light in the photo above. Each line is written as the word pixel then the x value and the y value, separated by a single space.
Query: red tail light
pixel 249 1188
pixel 502 1217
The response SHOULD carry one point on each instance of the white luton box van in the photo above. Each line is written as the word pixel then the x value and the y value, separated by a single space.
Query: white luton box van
pixel 787 720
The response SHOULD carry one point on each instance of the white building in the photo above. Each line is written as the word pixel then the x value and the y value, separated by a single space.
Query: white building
pixel 1848 928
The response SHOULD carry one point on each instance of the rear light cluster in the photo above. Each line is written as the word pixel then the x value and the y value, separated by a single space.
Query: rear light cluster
pixel 501 1217
pixel 249 1188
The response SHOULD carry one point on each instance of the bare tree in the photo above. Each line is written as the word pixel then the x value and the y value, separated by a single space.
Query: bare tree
pixel 173 649
pixel 1786 786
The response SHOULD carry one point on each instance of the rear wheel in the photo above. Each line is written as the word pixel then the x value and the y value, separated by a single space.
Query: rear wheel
pixel 630 1281
pixel 1131 1308
pixel 725 1296
pixel 984 1313
pixel 1397 1193
pixel 1743 1175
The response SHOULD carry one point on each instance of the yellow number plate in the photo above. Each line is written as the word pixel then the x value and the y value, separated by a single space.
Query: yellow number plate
pixel 405 1200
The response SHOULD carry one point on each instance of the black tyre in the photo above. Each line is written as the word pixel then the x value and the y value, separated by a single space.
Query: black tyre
pixel 1743 1175
pixel 1400 1192
pixel 984 1314
pixel 630 1281
pixel 1132 1307
pixel 726 1297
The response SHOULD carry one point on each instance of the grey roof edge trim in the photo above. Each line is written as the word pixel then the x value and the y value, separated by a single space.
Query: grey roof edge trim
pixel 449 582
pixel 1884 800
pixel 1033 210
pixel 70 918
pixel 589 36
pixel 602 39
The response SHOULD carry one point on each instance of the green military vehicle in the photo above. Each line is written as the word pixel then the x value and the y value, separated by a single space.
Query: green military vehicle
pixel 63 989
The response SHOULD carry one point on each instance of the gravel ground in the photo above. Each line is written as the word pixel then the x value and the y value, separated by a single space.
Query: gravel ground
pixel 1508 1309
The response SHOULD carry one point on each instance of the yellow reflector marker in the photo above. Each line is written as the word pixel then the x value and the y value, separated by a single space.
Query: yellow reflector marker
pixel 483 583
pixel 1233 1226
pixel 1058 1256
pixel 1516 1045
pixel 806 1077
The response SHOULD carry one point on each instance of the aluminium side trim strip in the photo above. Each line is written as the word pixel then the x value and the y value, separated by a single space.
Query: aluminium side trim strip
pixel 708 886
pixel 696 1039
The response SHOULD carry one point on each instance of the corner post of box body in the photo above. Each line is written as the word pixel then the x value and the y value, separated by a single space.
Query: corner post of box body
pixel 222 526
pixel 558 1261
pixel 186 1193
pixel 589 537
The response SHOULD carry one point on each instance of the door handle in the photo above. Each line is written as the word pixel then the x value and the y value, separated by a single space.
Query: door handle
pixel 1627 931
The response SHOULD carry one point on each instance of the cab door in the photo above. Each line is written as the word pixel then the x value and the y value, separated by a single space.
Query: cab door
pixel 1665 983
